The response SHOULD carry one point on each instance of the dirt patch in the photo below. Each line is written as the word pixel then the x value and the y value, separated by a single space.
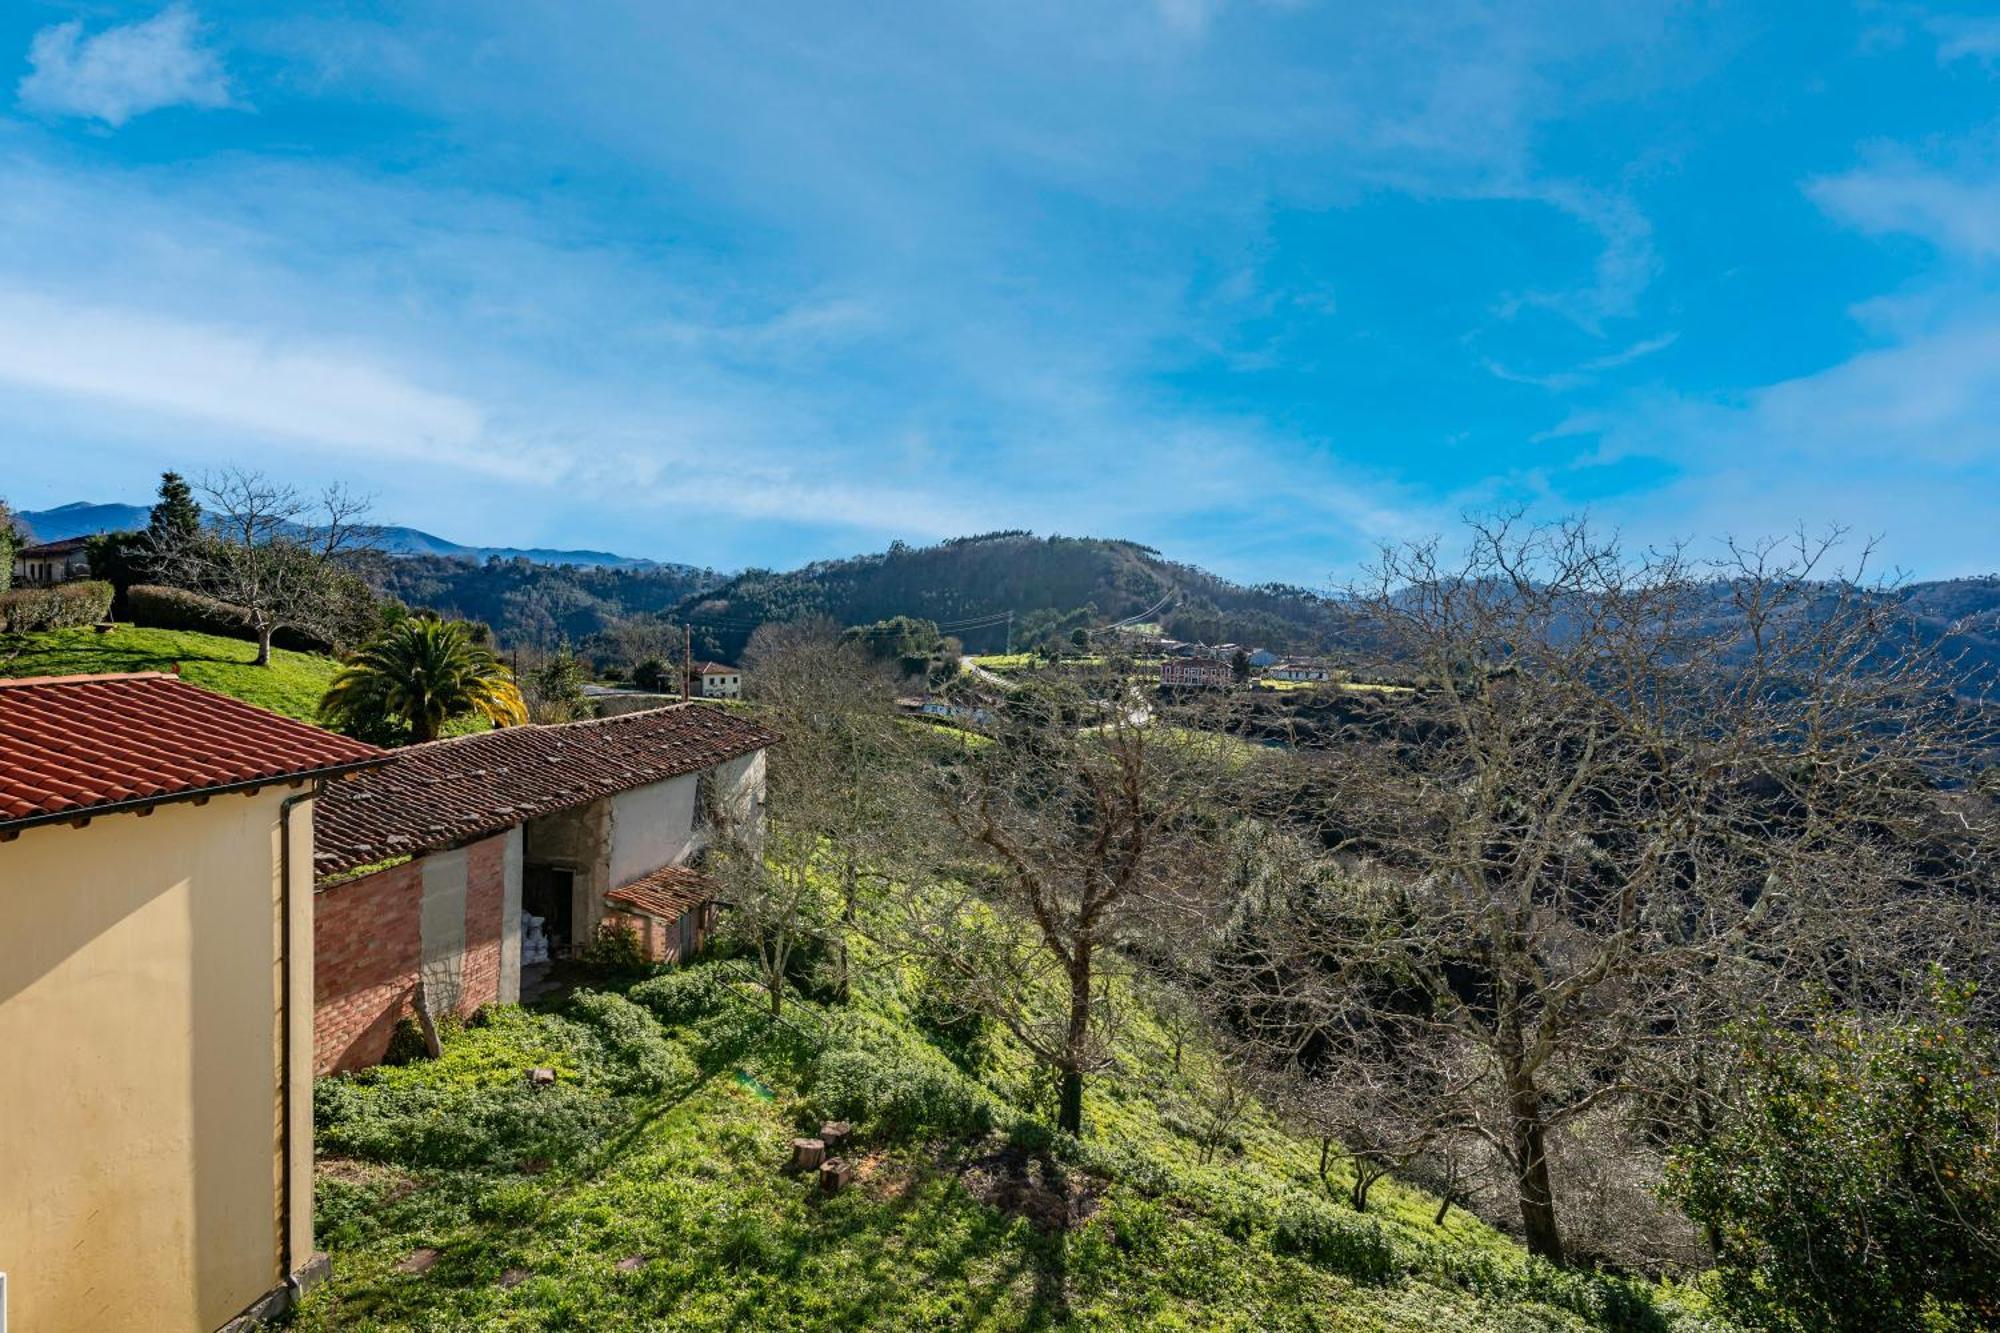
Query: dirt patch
pixel 1033 1186
pixel 883 1178
pixel 390 1183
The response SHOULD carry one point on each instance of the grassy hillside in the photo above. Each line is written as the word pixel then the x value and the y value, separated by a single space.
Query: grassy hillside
pixel 292 684
pixel 647 1190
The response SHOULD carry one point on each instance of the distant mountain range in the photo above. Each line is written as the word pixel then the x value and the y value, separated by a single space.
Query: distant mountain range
pixel 81 518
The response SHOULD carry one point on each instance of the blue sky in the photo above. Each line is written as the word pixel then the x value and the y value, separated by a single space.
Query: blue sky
pixel 1260 284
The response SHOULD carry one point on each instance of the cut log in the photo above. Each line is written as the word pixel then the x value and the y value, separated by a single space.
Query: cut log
pixel 834 1133
pixel 807 1154
pixel 834 1173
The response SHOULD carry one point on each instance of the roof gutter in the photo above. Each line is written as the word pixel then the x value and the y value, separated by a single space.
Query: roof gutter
pixel 11 828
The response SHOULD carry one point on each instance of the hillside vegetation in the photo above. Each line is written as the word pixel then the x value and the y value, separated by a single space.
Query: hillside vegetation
pixel 533 605
pixel 647 1189
pixel 977 578
pixel 291 685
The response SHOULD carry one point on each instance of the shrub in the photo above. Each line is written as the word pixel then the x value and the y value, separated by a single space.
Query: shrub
pixel 954 1027
pixel 615 948
pixel 79 602
pixel 639 1058
pixel 1855 1182
pixel 153 606
pixel 455 1126
pixel 894 1086
pixel 1604 1300
pixel 682 996
pixel 1318 1232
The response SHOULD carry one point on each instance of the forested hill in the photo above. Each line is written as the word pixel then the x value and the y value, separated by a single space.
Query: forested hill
pixel 968 585
pixel 533 605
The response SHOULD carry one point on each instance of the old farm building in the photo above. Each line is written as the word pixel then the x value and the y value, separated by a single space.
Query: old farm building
pixel 428 865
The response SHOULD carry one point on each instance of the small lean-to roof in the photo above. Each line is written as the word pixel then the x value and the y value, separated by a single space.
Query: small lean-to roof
pixel 667 894
pixel 446 792
pixel 76 746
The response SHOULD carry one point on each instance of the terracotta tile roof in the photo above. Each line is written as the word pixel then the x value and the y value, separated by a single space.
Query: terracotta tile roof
pixel 445 792
pixel 76 745
pixel 667 893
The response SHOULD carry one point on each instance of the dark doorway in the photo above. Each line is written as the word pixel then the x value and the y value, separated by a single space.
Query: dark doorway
pixel 546 892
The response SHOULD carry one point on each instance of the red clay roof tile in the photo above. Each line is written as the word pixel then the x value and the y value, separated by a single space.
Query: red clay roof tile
pixel 73 745
pixel 667 893
pixel 445 792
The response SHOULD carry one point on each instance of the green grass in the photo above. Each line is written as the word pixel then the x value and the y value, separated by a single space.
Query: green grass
pixel 681 1216
pixel 291 685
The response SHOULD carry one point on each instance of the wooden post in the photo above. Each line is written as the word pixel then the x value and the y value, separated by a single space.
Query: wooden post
pixel 834 1133
pixel 807 1154
pixel 833 1174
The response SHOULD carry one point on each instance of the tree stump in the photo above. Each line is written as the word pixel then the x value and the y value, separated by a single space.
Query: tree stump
pixel 542 1078
pixel 833 1174
pixel 807 1154
pixel 834 1133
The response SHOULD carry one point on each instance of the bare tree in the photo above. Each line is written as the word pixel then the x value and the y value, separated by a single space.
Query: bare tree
pixel 1634 796
pixel 831 791
pixel 272 551
pixel 774 893
pixel 1083 820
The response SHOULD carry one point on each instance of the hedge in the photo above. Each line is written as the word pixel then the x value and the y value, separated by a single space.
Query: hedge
pixel 152 606
pixel 81 602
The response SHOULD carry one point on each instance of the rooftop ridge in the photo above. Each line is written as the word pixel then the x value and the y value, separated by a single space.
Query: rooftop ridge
pixel 9 682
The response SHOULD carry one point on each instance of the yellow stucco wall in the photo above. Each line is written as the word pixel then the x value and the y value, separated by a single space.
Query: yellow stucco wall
pixel 140 1106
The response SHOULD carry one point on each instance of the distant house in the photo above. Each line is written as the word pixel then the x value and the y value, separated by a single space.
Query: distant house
pixel 1196 673
pixel 480 854
pixel 937 706
pixel 156 848
pixel 1263 657
pixel 51 563
pixel 716 681
pixel 1299 671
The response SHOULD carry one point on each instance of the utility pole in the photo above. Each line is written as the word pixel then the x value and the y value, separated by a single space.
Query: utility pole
pixel 1010 634
pixel 687 662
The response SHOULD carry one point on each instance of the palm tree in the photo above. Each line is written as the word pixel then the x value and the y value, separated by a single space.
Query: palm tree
pixel 420 672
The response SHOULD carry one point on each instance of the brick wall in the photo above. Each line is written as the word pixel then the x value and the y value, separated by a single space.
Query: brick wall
pixel 368 943
pixel 485 890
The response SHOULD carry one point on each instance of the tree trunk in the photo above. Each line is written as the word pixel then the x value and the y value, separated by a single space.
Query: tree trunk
pixel 426 1021
pixel 850 879
pixel 1069 1118
pixel 1444 1206
pixel 1531 1169
pixel 777 988
pixel 264 645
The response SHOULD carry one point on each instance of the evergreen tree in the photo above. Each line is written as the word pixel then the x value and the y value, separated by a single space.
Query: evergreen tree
pixel 176 516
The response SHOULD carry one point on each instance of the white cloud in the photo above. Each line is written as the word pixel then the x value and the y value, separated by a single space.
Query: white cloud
pixel 1188 18
pixel 123 71
pixel 248 383
pixel 1952 211
pixel 1961 38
